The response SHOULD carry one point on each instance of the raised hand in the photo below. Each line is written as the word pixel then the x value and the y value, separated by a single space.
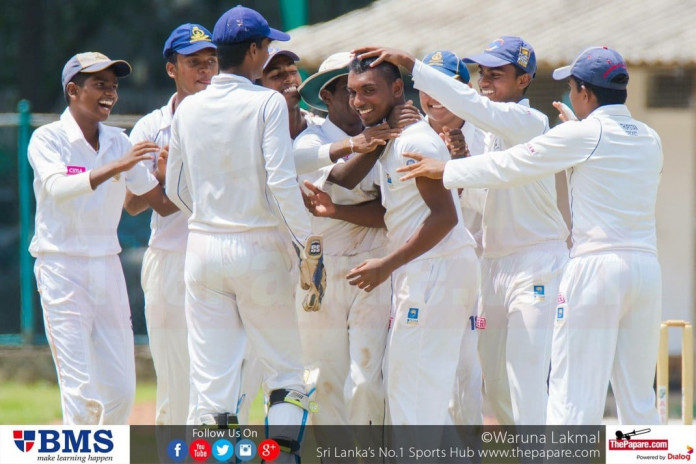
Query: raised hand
pixel 317 201
pixel 425 167
pixel 392 55
pixel 454 140
pixel 372 137
pixel 404 115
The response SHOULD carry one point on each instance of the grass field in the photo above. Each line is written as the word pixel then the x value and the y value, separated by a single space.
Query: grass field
pixel 39 403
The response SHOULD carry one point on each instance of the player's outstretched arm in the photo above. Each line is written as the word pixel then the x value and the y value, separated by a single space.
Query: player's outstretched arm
pixel 392 55
pixel 442 218
pixel 365 142
pixel 141 151
pixel 424 167
pixel 371 142
pixel 136 204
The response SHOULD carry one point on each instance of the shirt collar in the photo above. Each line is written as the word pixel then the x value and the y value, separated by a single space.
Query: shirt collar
pixel 611 110
pixel 72 129
pixel 167 114
pixel 228 78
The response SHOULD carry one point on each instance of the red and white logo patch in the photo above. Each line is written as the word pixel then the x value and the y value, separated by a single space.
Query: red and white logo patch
pixel 72 170
pixel 480 323
pixel 561 299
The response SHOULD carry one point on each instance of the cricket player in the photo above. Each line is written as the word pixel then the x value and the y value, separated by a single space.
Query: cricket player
pixel 609 305
pixel 280 73
pixel 524 248
pixel 462 139
pixel 82 168
pixel 429 252
pixel 344 341
pixel 237 270
pixel 191 63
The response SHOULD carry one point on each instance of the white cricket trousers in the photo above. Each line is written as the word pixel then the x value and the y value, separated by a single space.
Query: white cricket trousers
pixel 162 279
pixel 88 326
pixel 466 404
pixel 345 341
pixel 518 302
pixel 432 300
pixel 607 329
pixel 238 289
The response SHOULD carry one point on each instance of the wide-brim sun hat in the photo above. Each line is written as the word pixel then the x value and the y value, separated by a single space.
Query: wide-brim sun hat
pixel 331 68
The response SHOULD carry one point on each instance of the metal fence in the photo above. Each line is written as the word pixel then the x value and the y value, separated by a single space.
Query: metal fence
pixel 22 323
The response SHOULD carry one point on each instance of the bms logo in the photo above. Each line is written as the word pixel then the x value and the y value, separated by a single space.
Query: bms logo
pixel 24 439
pixel 65 441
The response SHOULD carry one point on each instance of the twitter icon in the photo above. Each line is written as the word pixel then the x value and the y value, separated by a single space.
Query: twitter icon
pixel 246 450
pixel 223 450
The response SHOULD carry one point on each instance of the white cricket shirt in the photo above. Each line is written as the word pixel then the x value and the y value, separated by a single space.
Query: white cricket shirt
pixel 613 167
pixel 406 209
pixel 341 238
pixel 167 232
pixel 513 218
pixel 85 224
pixel 230 160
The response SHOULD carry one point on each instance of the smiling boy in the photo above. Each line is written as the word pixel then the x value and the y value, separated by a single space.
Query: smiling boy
pixel 81 171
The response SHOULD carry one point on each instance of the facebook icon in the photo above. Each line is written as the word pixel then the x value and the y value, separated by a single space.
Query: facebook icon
pixel 177 450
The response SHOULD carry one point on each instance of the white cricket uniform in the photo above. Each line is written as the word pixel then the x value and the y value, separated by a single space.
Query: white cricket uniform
pixel 345 341
pixel 473 201
pixel 252 369
pixel 431 301
pixel 162 280
pixel 230 161
pixel 609 304
pixel 524 252
pixel 466 406
pixel 78 272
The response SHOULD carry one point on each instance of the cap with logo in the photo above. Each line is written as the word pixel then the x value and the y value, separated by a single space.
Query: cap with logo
pixel 447 62
pixel 187 39
pixel 506 50
pixel 273 51
pixel 93 62
pixel 597 66
pixel 240 24
pixel 331 68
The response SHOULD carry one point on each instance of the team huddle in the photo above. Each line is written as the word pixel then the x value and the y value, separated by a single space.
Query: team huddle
pixel 372 266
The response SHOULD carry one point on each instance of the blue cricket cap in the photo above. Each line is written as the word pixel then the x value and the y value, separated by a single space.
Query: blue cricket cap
pixel 596 66
pixel 187 39
pixel 506 50
pixel 447 62
pixel 240 24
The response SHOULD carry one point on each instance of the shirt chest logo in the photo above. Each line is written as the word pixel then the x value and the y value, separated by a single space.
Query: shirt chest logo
pixel 72 170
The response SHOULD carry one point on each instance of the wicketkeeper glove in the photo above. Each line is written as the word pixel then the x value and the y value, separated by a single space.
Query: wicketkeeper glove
pixel 312 272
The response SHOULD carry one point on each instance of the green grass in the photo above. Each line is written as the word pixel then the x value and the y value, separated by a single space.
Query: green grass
pixel 39 403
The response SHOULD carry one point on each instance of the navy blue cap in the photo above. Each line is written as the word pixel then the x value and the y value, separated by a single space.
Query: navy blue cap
pixel 596 66
pixel 505 50
pixel 240 24
pixel 447 62
pixel 187 39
